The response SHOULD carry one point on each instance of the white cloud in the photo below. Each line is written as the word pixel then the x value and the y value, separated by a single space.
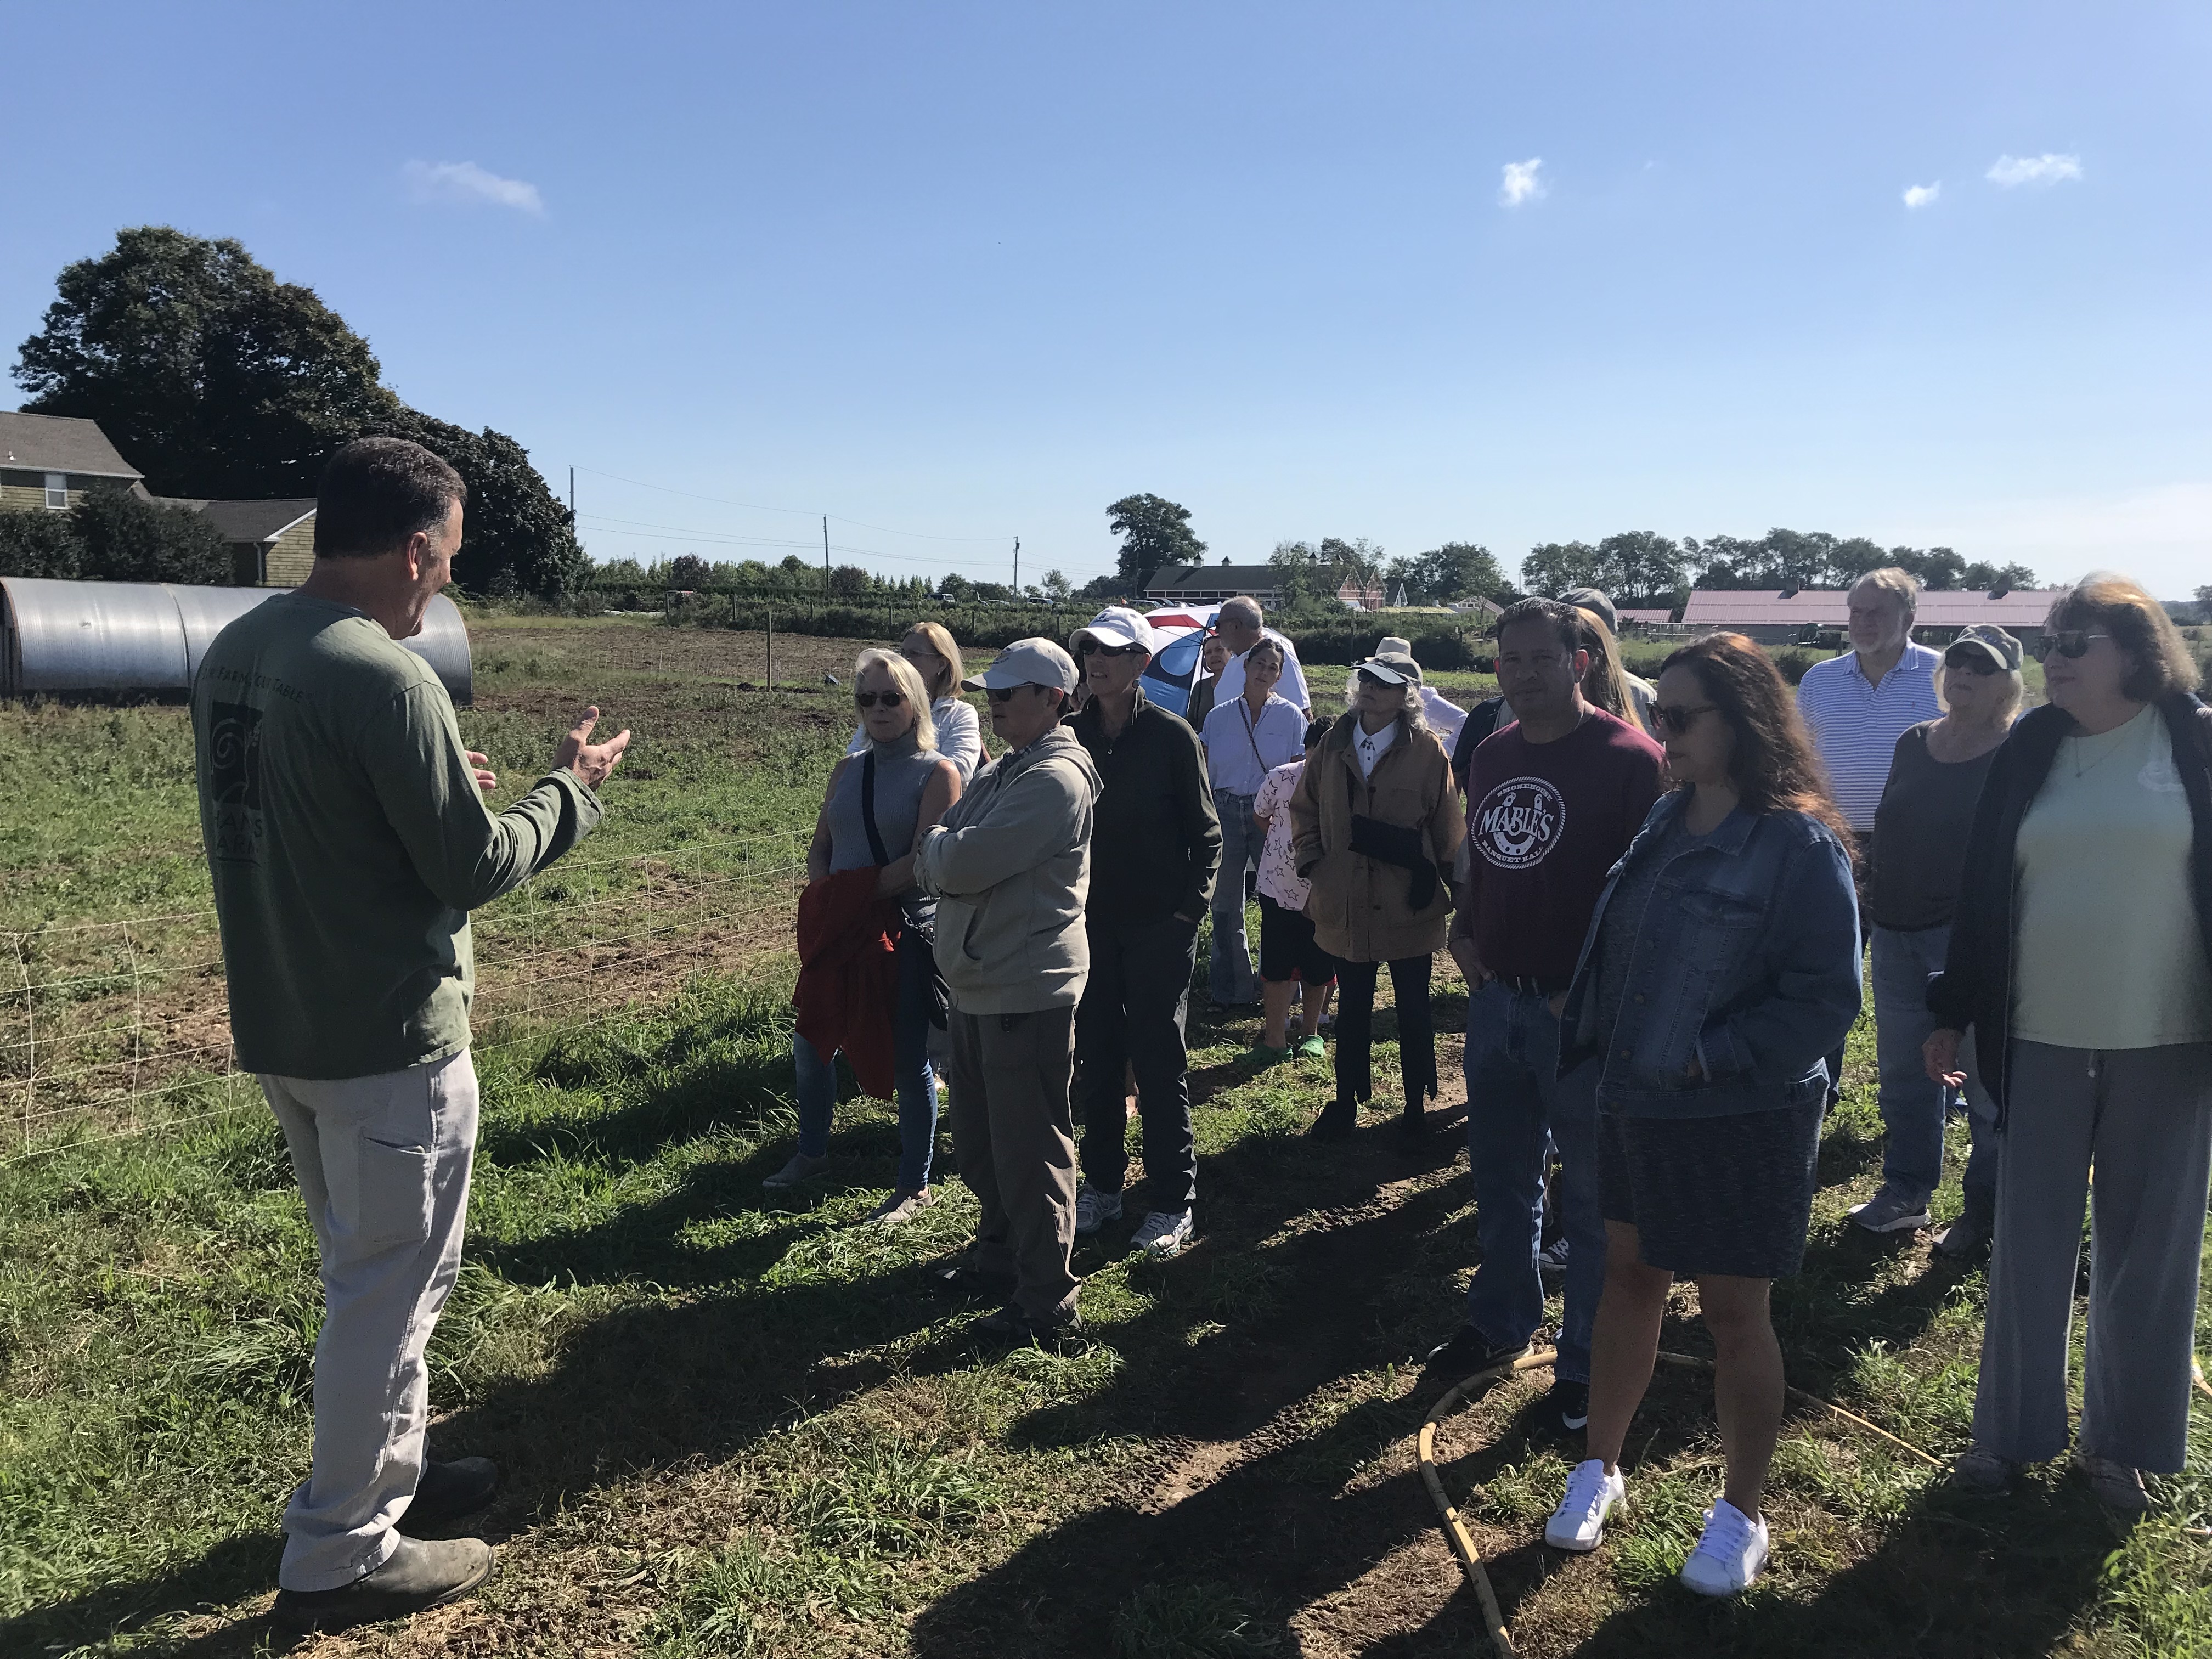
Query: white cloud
pixel 1919 196
pixel 1519 182
pixel 466 183
pixel 2045 169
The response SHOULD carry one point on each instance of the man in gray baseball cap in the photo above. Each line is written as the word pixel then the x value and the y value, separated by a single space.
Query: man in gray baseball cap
pixel 1009 867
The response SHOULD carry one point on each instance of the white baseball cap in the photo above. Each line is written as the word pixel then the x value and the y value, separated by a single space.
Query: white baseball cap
pixel 1117 625
pixel 1026 662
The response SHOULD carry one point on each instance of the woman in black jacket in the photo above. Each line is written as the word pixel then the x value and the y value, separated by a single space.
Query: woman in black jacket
pixel 2080 957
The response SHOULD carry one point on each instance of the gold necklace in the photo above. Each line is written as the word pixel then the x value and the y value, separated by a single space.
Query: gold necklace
pixel 2110 748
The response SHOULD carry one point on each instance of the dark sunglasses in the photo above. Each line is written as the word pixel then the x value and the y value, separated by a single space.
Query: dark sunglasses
pixel 870 699
pixel 1006 693
pixel 1092 649
pixel 1678 720
pixel 1974 662
pixel 2069 642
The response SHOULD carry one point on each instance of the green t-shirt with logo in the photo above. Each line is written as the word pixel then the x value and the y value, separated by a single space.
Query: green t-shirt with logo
pixel 349 842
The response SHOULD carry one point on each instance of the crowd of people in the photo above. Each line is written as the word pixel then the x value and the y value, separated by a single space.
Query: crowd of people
pixel 1659 895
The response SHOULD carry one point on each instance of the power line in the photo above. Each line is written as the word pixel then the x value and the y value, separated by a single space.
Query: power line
pixel 797 511
pixel 646 530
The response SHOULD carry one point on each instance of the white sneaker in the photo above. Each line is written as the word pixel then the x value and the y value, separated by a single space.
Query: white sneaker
pixel 901 1207
pixel 1094 1209
pixel 1578 1525
pixel 1732 1553
pixel 1164 1234
pixel 801 1168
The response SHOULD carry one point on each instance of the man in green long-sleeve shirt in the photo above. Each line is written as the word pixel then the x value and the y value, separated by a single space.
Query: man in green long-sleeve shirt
pixel 348 840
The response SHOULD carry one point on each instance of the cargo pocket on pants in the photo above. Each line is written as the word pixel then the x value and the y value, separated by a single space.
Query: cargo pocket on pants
pixel 392 1195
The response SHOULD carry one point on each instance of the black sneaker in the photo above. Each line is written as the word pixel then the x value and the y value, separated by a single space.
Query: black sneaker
pixel 1566 1409
pixel 1470 1353
pixel 447 1491
pixel 1011 1324
pixel 1336 1122
pixel 956 1277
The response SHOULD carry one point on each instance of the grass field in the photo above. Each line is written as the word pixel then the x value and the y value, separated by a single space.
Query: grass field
pixel 738 1426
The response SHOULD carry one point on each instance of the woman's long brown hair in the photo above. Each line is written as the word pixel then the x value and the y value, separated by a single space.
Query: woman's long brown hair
pixel 1775 768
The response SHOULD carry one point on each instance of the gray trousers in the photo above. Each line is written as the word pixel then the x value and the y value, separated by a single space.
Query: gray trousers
pixel 2143 1118
pixel 1013 1130
pixel 383 1164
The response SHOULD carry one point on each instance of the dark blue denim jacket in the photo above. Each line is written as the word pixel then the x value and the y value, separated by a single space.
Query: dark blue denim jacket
pixel 1748 962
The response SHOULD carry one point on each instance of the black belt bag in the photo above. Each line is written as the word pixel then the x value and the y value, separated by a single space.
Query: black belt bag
pixel 1393 843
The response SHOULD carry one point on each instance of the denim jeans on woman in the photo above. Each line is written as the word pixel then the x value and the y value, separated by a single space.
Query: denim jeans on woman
pixel 1230 979
pixel 1913 1108
pixel 1517 1107
pixel 917 1094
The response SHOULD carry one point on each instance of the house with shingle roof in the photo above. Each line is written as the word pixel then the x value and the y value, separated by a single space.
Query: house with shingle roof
pixel 49 461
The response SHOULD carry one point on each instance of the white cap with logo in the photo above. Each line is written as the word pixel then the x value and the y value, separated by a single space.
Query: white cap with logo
pixel 1117 625
pixel 1026 662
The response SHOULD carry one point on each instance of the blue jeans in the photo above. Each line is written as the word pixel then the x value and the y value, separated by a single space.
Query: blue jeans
pixel 1517 1105
pixel 1913 1107
pixel 1230 978
pixel 917 1097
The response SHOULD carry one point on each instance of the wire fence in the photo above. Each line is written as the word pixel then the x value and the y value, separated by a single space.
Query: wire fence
pixel 114 1028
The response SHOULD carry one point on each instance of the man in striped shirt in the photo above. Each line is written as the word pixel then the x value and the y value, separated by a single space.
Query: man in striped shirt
pixel 1859 704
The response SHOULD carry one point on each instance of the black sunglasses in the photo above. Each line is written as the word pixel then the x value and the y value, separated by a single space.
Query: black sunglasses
pixel 1006 693
pixel 1677 719
pixel 1092 649
pixel 1974 662
pixel 2069 642
pixel 870 699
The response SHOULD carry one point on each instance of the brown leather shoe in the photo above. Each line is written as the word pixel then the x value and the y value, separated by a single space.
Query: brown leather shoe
pixel 421 1573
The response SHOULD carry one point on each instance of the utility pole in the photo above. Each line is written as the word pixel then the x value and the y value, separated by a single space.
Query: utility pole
pixel 572 496
pixel 825 543
pixel 1017 567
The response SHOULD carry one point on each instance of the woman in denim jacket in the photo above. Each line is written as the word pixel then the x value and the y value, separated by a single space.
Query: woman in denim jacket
pixel 1720 969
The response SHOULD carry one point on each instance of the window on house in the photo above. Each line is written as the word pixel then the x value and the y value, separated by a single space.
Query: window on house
pixel 58 491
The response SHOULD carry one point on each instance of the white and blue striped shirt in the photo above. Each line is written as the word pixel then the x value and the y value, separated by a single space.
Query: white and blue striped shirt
pixel 1856 723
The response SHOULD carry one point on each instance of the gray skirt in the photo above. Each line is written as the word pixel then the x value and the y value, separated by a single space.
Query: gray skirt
pixel 1729 1195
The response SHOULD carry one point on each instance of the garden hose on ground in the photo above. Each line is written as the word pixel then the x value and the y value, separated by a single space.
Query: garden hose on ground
pixel 1462 1544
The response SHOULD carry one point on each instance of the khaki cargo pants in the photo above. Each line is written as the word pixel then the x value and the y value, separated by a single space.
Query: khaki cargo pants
pixel 1013 1130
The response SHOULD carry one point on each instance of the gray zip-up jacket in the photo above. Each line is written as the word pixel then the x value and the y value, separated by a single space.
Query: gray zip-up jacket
pixel 1009 867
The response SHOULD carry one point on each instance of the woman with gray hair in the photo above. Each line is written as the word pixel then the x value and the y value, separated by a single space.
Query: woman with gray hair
pixel 1919 854
pixel 2081 960
pixel 1376 823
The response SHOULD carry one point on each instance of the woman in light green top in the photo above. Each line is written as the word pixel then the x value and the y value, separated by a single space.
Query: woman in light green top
pixel 2081 955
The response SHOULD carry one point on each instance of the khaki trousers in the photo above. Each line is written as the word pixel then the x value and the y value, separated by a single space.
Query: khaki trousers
pixel 1013 1130
pixel 383 1164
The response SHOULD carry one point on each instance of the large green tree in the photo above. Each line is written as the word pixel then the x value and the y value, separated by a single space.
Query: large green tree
pixel 1154 532
pixel 218 380
pixel 1457 571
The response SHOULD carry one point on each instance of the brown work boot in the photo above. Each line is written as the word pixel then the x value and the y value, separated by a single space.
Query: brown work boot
pixel 421 1573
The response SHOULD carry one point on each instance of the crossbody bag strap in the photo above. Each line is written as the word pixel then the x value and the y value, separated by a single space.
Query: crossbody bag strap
pixel 1244 709
pixel 868 808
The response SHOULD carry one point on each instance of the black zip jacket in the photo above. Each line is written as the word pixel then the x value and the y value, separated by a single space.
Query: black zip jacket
pixel 1155 839
pixel 1974 990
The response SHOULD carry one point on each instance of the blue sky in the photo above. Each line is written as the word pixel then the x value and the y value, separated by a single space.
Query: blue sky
pixel 976 272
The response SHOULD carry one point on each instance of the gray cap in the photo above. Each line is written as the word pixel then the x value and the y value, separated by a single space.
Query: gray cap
pixel 1588 598
pixel 1391 667
pixel 1993 642
pixel 1026 662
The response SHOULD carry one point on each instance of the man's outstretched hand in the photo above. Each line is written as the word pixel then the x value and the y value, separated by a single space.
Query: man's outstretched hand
pixel 590 761
pixel 487 780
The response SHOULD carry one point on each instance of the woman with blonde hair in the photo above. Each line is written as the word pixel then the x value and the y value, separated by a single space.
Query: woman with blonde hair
pixel 2081 961
pixel 878 804
pixel 929 646
pixel 1608 685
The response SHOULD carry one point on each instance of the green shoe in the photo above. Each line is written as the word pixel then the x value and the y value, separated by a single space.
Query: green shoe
pixel 1311 1048
pixel 1260 1057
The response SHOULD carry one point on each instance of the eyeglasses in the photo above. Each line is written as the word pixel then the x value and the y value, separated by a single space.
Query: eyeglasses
pixel 1974 662
pixel 870 699
pixel 1092 649
pixel 1677 719
pixel 1006 693
pixel 2069 642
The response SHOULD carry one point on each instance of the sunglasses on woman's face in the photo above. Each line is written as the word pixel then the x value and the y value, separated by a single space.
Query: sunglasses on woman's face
pixel 1679 719
pixel 1092 649
pixel 1974 662
pixel 2069 642
pixel 870 699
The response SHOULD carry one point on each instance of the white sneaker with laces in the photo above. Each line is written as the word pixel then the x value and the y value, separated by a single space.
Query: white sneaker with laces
pixel 1164 1234
pixel 901 1207
pixel 1094 1209
pixel 1578 1525
pixel 1732 1553
pixel 801 1168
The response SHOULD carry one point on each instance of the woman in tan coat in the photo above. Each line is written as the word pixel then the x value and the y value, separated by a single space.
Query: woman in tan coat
pixel 1377 824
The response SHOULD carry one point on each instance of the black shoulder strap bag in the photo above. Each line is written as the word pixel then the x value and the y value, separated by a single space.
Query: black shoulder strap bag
pixel 913 936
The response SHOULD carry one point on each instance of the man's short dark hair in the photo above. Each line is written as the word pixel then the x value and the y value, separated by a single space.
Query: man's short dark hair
pixel 1564 620
pixel 377 492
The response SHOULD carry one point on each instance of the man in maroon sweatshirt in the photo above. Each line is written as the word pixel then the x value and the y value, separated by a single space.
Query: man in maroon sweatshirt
pixel 1552 800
